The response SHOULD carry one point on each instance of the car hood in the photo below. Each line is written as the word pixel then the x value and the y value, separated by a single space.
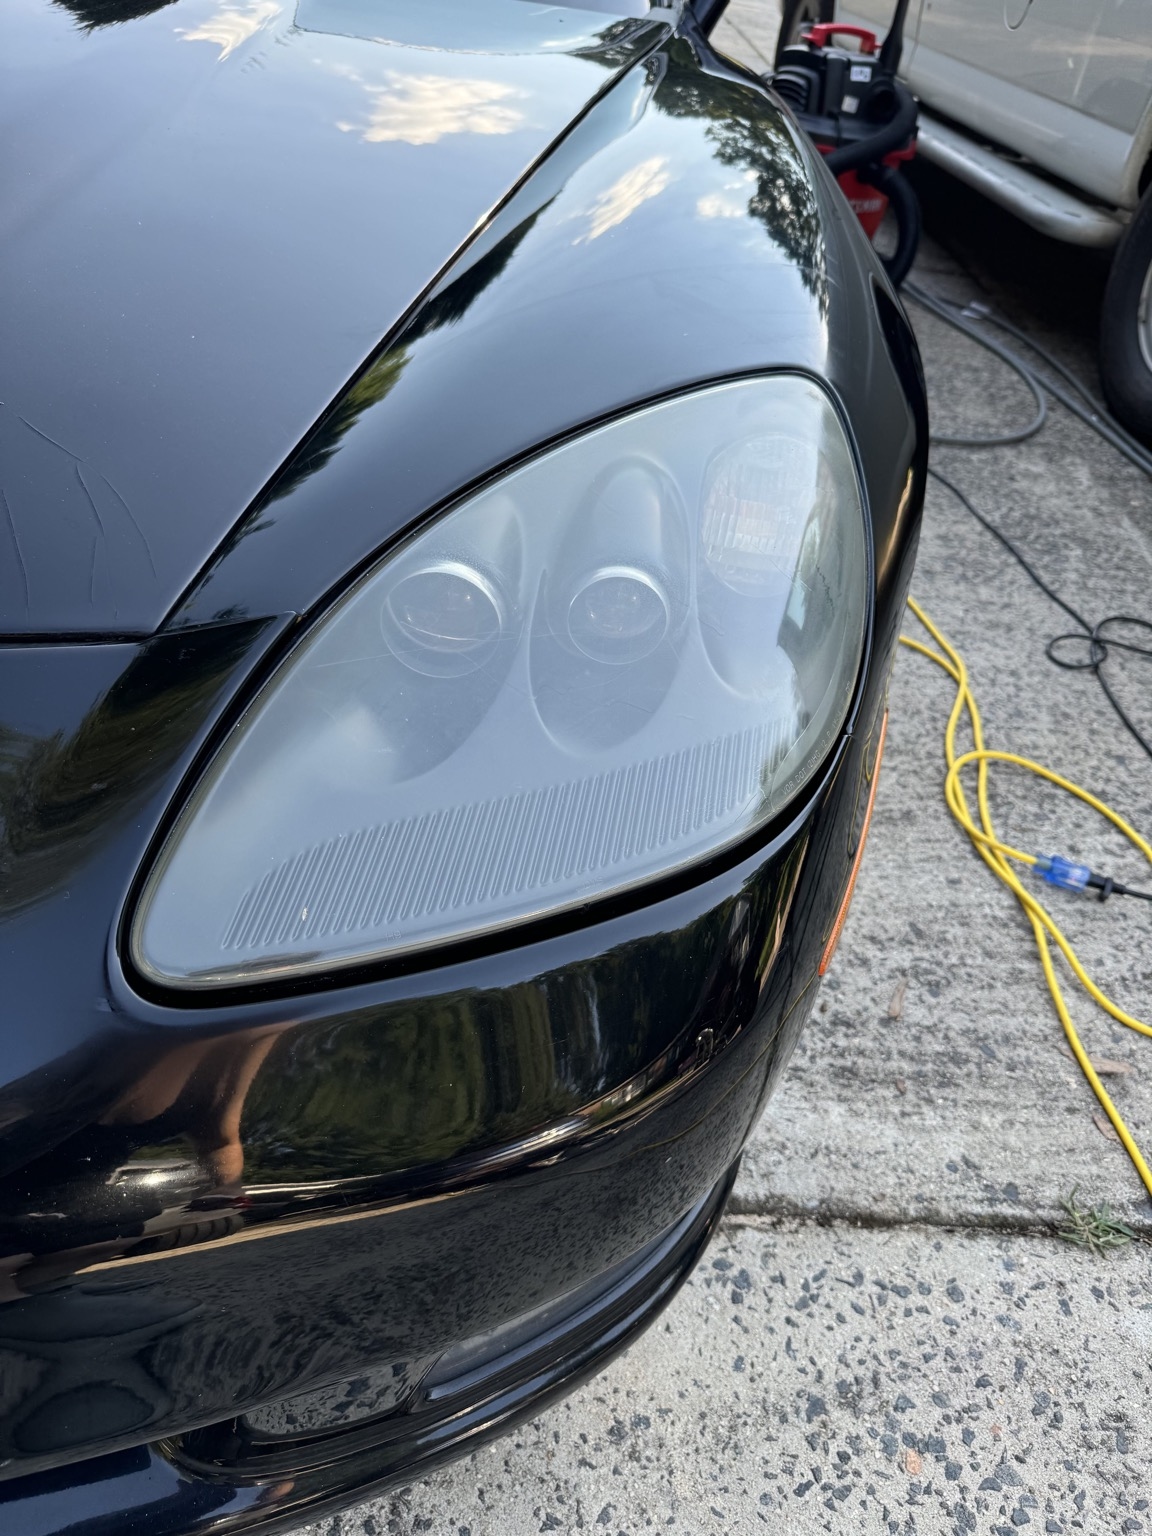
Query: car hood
pixel 215 210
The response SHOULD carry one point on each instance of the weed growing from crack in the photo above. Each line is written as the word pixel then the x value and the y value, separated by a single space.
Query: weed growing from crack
pixel 1094 1228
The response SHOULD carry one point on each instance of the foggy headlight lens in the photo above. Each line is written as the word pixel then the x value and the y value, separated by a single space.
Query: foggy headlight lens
pixel 618 615
pixel 627 654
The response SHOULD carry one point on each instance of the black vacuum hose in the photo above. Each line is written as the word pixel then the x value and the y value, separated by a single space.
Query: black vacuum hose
pixel 894 135
pixel 906 207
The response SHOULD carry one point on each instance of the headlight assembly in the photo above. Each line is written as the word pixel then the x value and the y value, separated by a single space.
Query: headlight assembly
pixel 626 654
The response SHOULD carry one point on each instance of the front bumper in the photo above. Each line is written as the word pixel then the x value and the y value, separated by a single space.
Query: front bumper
pixel 219 1482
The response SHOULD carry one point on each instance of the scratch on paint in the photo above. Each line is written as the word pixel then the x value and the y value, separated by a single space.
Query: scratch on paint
pixel 77 461
pixel 19 551
pixel 132 520
pixel 46 438
pixel 95 542
pixel 92 504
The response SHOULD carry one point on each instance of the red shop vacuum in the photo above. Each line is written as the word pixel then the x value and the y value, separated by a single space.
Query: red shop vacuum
pixel 862 119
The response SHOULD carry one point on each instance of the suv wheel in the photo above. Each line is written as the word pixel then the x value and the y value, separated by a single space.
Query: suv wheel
pixel 1126 326
pixel 798 14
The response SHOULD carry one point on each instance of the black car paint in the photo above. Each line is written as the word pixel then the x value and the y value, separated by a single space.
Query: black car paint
pixel 210 233
pixel 165 1491
pixel 607 1066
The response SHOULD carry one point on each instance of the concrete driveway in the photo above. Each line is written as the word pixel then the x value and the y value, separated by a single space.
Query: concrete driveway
pixel 888 1336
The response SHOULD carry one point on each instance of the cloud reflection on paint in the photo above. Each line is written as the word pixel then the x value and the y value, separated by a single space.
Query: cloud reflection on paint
pixel 617 202
pixel 422 109
pixel 731 202
pixel 232 25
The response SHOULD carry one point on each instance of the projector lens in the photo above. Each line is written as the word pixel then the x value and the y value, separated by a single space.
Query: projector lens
pixel 443 621
pixel 619 615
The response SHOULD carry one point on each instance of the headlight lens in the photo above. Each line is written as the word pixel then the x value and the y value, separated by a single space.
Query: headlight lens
pixel 625 655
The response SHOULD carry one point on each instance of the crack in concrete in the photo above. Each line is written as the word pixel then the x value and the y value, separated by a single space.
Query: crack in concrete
pixel 742 1212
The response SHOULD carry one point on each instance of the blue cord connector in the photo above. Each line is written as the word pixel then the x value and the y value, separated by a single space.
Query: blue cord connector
pixel 1062 872
pixel 1078 877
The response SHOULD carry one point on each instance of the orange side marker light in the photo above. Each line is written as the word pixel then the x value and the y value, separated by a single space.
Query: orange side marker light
pixel 838 925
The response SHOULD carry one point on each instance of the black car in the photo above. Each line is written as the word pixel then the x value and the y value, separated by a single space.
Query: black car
pixel 460 471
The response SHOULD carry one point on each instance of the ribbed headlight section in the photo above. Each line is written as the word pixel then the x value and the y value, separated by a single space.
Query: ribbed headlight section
pixel 625 655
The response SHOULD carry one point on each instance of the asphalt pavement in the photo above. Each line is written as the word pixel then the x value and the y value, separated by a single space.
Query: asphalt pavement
pixel 889 1335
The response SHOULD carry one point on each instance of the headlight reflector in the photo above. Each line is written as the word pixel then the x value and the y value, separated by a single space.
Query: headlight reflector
pixel 628 653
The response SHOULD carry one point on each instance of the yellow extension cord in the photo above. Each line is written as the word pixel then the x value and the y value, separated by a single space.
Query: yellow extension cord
pixel 997 854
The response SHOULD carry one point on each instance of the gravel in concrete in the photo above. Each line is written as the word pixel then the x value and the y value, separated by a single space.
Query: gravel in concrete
pixel 813 1379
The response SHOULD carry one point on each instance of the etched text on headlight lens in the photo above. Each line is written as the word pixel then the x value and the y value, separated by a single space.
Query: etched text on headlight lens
pixel 625 655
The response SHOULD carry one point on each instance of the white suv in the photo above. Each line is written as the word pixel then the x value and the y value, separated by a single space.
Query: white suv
pixel 1045 106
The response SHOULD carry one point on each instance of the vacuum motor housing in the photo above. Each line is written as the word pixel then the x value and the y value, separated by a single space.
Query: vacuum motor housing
pixel 843 97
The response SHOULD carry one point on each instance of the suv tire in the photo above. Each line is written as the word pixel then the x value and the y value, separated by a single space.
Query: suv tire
pixel 1126 326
